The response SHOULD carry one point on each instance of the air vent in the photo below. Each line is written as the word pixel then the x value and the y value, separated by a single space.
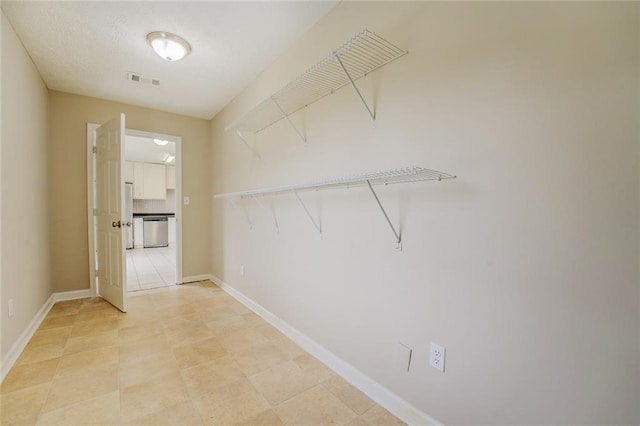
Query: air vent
pixel 141 79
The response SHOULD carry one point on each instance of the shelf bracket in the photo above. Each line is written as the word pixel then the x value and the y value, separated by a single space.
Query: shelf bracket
pixel 395 233
pixel 353 84
pixel 247 144
pixel 275 219
pixel 285 116
pixel 308 213
pixel 244 210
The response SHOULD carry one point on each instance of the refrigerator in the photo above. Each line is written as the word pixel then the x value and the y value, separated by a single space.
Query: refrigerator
pixel 128 212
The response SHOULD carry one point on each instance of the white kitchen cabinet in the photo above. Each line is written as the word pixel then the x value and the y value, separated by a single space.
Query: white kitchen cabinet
pixel 138 236
pixel 138 180
pixel 149 181
pixel 128 171
pixel 172 230
pixel 171 177
pixel 155 182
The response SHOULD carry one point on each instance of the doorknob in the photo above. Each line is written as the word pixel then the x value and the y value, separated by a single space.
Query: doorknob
pixel 128 224
pixel 116 224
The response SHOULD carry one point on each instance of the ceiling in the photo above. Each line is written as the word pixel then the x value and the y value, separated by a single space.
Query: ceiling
pixel 88 47
pixel 142 149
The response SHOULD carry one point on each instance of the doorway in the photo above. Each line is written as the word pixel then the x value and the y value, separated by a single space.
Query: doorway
pixel 149 171
pixel 154 262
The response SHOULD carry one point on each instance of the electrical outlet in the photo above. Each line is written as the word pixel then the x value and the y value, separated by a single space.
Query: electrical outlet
pixel 10 307
pixel 437 356
pixel 242 270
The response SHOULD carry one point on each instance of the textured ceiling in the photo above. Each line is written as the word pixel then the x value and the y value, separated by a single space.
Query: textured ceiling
pixel 89 47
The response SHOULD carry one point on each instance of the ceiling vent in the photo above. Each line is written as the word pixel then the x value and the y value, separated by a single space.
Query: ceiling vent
pixel 141 79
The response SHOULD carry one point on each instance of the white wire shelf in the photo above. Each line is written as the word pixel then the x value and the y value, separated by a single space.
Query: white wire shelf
pixel 359 56
pixel 386 177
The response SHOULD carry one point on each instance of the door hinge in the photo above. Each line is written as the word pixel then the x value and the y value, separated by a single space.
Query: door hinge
pixel 94 149
pixel 95 212
pixel 97 270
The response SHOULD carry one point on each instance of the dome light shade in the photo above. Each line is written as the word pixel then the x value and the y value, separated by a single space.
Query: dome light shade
pixel 160 142
pixel 169 47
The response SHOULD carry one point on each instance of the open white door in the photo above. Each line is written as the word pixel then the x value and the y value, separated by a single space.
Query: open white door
pixel 110 212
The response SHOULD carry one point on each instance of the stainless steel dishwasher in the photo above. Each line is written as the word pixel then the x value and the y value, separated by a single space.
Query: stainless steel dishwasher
pixel 155 231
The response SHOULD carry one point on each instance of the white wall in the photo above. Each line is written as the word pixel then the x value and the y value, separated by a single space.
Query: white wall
pixel 525 267
pixel 25 201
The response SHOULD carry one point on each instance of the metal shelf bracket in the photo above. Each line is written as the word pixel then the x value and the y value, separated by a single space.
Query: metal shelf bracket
pixel 275 219
pixel 244 210
pixel 315 224
pixel 253 150
pixel 353 84
pixel 393 229
pixel 286 116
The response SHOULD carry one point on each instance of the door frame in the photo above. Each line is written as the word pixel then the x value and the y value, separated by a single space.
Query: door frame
pixel 91 141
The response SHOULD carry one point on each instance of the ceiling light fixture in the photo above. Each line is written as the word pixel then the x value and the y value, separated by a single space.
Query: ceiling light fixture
pixel 169 159
pixel 169 47
pixel 160 142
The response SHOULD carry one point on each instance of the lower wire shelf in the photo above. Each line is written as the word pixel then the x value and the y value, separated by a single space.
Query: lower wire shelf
pixel 370 179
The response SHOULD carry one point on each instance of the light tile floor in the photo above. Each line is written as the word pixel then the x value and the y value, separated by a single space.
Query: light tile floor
pixel 151 268
pixel 182 355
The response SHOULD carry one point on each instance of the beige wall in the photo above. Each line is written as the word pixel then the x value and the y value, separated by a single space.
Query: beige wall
pixel 69 115
pixel 25 225
pixel 525 268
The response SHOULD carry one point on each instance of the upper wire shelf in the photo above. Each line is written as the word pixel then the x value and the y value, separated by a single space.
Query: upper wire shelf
pixel 362 54
pixel 386 177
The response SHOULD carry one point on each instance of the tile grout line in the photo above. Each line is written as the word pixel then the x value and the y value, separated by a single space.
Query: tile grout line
pixel 119 381
pixel 192 401
pixel 55 373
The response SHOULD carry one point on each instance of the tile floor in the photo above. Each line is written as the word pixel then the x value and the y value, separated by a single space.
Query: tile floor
pixel 151 268
pixel 182 355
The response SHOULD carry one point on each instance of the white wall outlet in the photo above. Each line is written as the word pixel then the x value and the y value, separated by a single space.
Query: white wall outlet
pixel 10 307
pixel 403 356
pixel 187 200
pixel 437 356
pixel 242 270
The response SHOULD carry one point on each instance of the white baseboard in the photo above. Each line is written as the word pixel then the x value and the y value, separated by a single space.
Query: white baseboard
pixel 194 278
pixel 16 349
pixel 27 334
pixel 378 393
pixel 71 295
